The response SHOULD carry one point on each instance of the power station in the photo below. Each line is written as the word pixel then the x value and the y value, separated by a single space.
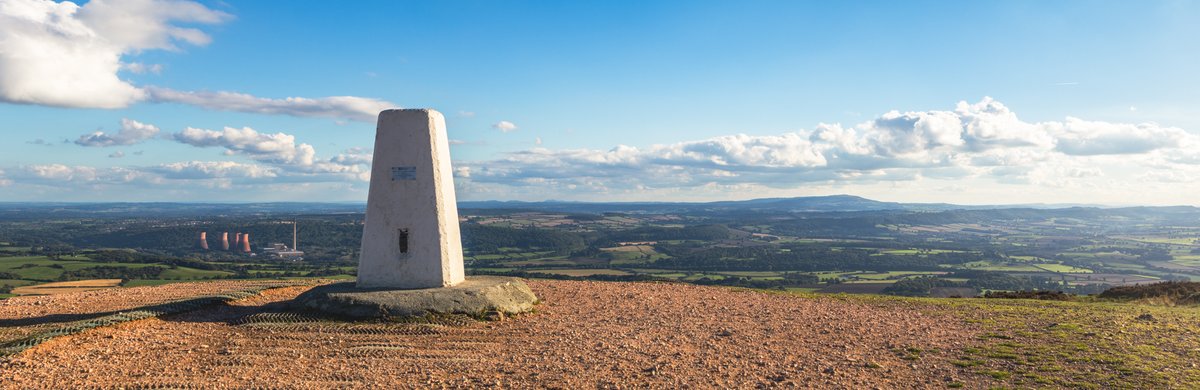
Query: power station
pixel 242 244
pixel 279 250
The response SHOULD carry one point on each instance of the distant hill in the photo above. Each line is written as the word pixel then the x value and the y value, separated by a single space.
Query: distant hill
pixel 830 203
pixel 801 204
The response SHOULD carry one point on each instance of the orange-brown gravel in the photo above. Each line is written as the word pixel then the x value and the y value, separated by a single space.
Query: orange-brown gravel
pixel 584 335
pixel 23 316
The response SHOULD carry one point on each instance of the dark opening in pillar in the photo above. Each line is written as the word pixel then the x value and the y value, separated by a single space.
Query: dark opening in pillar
pixel 403 240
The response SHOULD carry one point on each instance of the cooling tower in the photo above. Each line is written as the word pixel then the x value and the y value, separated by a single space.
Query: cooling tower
pixel 225 241
pixel 203 241
pixel 246 243
pixel 237 243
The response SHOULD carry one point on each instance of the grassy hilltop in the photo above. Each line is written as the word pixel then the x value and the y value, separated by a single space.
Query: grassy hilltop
pixel 1090 344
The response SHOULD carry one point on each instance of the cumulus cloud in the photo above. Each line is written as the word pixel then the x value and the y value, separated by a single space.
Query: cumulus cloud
pixel 974 141
pixel 131 132
pixel 60 173
pixel 1085 138
pixel 504 126
pixel 193 170
pixel 347 107
pixel 980 148
pixel 281 151
pixel 353 156
pixel 140 68
pixel 277 148
pixel 66 55
pixel 149 24
pixel 277 162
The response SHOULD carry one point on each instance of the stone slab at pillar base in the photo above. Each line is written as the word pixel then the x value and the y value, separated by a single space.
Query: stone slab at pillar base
pixel 477 296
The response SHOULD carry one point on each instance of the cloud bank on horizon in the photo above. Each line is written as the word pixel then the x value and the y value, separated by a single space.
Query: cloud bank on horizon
pixel 60 54
pixel 983 143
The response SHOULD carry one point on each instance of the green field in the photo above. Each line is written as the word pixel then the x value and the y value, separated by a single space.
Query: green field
pixel 633 254
pixel 891 275
pixel 753 274
pixel 192 273
pixel 1063 268
pixel 918 251
pixel 40 269
pixel 1001 266
pixel 44 269
pixel 1164 240
pixel 1188 260
pixel 16 282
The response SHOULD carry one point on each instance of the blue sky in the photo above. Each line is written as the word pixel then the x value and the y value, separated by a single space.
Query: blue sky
pixel 995 102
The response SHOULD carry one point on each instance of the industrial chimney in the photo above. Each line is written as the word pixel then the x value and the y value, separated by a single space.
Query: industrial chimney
pixel 203 241
pixel 237 243
pixel 225 241
pixel 246 243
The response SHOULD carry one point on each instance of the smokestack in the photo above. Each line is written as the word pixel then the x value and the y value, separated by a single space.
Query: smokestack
pixel 225 241
pixel 295 245
pixel 246 243
pixel 237 243
pixel 203 241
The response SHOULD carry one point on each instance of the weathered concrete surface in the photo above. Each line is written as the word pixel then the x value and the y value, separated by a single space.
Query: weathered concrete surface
pixel 411 238
pixel 475 296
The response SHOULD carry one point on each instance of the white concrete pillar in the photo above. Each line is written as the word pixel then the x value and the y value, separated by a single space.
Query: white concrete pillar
pixel 411 237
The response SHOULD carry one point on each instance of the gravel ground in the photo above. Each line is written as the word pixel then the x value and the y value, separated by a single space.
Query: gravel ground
pixel 23 316
pixel 584 335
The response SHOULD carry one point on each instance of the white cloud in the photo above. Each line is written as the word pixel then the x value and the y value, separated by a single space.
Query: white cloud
pixel 51 173
pixel 981 142
pixel 977 152
pixel 140 68
pixel 505 126
pixel 62 54
pixel 117 154
pixel 347 107
pixel 1080 137
pixel 67 55
pixel 276 148
pixel 353 156
pixel 281 151
pixel 61 172
pixel 131 132
pixel 149 24
pixel 193 170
